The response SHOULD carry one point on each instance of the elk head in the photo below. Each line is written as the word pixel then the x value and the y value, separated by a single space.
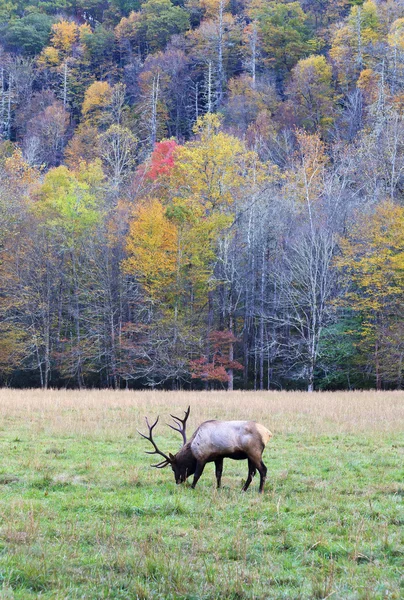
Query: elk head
pixel 180 468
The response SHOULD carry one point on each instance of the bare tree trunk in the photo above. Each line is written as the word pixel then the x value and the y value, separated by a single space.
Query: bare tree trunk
pixel 377 366
pixel 253 46
pixel 209 87
pixel 79 366
pixel 3 101
pixel 65 83
pixel 261 317
pixel 8 130
pixel 231 356
pixel 155 97
pixel 359 38
pixel 220 55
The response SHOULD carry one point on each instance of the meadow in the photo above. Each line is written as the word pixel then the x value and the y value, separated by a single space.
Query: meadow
pixel 82 514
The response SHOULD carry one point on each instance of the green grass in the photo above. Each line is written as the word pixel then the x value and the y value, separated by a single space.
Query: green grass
pixel 84 516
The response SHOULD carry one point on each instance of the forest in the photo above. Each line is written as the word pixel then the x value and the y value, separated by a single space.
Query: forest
pixel 202 194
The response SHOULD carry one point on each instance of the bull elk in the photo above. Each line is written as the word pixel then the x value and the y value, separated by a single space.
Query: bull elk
pixel 212 442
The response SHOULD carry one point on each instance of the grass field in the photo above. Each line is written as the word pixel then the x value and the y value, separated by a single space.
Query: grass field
pixel 82 515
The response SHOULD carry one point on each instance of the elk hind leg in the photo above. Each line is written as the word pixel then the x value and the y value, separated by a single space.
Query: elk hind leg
pixel 251 472
pixel 263 475
pixel 261 468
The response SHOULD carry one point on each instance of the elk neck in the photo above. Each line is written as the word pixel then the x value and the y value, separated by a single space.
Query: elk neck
pixel 185 457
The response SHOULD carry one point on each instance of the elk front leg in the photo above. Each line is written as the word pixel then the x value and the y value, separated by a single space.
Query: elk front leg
pixel 198 472
pixel 219 471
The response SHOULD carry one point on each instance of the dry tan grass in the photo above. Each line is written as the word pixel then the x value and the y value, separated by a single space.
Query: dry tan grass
pixel 104 413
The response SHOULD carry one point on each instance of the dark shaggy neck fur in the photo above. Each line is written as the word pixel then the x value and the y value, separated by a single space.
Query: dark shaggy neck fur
pixel 185 459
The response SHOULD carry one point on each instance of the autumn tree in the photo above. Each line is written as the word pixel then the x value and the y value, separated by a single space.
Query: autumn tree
pixel 202 189
pixel 65 211
pixel 220 367
pixel 63 57
pixel 45 137
pixel 247 100
pixel 284 32
pixel 311 92
pixel 216 50
pixel 354 43
pixel 372 260
pixel 152 248
pixel 152 27
pixel 395 40
pixel 97 99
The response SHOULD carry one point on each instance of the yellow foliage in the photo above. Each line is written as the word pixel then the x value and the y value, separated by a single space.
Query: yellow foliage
pixel 353 44
pixel 172 247
pixel 65 34
pixel 13 347
pixel 395 37
pixel 49 57
pixel 152 247
pixel 69 204
pixel 212 170
pixel 19 171
pixel 84 30
pixel 256 99
pixel 212 7
pixel 127 28
pixel 317 65
pixel 305 179
pixel 364 21
pixel 372 256
pixel 312 92
pixel 341 54
pixel 207 125
pixel 368 82
pixel 98 96
pixel 90 173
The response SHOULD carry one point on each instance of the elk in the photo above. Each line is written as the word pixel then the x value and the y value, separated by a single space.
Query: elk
pixel 212 442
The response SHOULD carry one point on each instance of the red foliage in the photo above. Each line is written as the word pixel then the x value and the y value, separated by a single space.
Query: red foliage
pixel 162 159
pixel 202 369
pixel 221 340
pixel 217 370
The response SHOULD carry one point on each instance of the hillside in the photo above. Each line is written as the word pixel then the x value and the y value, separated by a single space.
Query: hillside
pixel 202 194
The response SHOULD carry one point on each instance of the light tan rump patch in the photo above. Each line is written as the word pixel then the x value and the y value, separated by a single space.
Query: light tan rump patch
pixel 264 433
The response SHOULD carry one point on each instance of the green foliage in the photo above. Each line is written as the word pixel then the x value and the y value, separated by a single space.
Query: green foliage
pixel 285 33
pixel 99 45
pixel 338 364
pixel 312 93
pixel 68 203
pixel 372 257
pixel 13 8
pixel 153 26
pixel 29 34
pixel 126 6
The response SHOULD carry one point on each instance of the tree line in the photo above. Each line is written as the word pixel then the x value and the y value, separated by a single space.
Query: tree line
pixel 202 194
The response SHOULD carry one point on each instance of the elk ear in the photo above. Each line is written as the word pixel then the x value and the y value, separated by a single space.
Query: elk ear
pixel 172 457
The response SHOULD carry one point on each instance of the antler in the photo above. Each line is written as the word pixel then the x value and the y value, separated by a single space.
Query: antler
pixel 178 422
pixel 167 460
